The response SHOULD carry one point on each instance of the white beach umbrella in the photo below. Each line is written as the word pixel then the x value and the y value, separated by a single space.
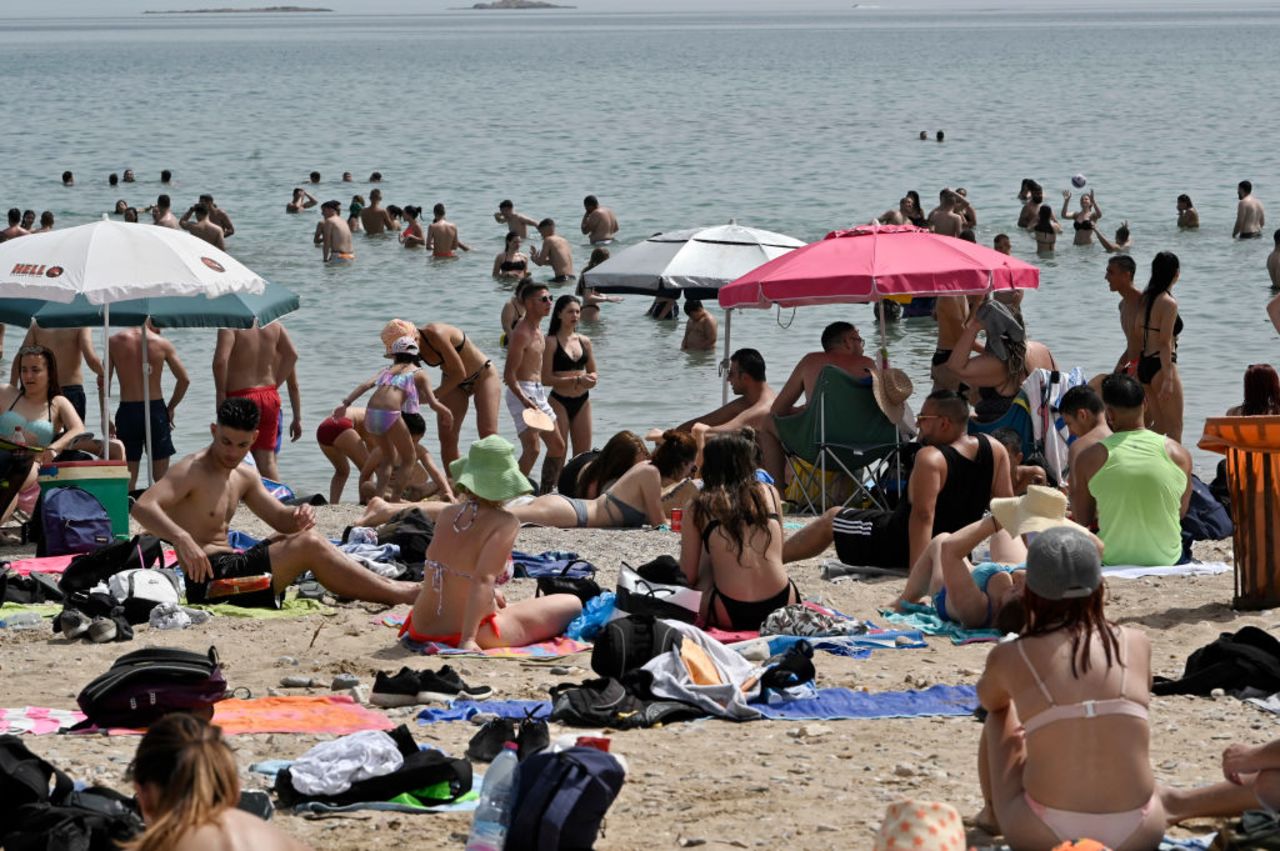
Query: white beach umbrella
pixel 110 261
pixel 696 261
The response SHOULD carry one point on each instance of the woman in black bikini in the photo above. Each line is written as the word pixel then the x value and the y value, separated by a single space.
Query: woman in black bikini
pixel 465 372
pixel 569 369
pixel 1046 231
pixel 510 263
pixel 1083 220
pixel 734 530
pixel 1158 363
pixel 1010 357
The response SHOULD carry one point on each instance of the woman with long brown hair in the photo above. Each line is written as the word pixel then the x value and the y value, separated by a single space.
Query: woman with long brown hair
pixel 1261 392
pixel 735 533
pixel 188 787
pixel 588 474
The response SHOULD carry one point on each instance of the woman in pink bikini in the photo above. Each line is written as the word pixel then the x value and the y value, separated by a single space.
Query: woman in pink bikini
pixel 459 604
pixel 1066 745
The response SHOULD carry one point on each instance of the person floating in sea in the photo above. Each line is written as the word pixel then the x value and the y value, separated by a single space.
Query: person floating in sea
pixel 510 262
pixel 699 328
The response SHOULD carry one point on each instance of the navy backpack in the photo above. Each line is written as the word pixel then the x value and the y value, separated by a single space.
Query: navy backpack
pixel 561 799
pixel 72 520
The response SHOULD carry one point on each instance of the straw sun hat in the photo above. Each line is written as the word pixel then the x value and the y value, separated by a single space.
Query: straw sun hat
pixel 395 329
pixel 490 471
pixel 892 388
pixel 1042 508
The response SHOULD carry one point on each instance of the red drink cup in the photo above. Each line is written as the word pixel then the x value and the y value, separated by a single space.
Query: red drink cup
pixel 600 743
pixel 677 519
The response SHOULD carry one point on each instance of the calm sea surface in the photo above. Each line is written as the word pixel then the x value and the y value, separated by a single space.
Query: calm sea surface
pixel 795 123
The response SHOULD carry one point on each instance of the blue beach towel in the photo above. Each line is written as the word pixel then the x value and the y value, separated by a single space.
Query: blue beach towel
pixel 840 703
pixel 465 710
pixel 852 646
pixel 924 619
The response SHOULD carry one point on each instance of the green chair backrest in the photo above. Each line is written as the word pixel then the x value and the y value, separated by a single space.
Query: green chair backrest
pixel 851 415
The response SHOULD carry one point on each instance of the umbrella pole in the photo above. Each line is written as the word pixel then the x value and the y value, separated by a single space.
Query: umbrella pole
pixel 146 403
pixel 724 363
pixel 884 340
pixel 106 381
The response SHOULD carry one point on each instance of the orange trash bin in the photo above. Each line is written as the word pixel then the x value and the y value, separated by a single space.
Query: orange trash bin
pixel 1252 447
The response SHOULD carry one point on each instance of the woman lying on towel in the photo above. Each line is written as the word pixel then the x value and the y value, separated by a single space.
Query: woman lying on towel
pixel 459 603
pixel 988 596
pixel 635 499
pixel 188 787
pixel 734 531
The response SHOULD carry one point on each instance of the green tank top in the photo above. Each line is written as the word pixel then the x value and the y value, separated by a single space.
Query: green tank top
pixel 1139 494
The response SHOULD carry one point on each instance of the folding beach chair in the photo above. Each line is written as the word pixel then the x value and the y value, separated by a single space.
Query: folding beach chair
pixel 842 430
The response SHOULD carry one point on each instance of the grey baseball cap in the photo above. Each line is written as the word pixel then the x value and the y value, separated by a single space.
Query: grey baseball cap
pixel 1063 564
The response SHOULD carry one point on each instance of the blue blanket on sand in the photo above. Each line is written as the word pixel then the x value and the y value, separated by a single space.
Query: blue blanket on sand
pixel 830 704
pixel 925 619
pixel 852 646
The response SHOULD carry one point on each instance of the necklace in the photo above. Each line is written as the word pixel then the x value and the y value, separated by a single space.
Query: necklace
pixel 458 525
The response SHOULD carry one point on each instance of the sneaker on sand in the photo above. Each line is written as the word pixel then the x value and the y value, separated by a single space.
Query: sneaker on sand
pixel 398 690
pixel 533 736
pixel 74 623
pixel 487 743
pixel 445 684
pixel 102 630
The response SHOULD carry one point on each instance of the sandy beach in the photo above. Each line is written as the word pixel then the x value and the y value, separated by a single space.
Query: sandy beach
pixel 758 784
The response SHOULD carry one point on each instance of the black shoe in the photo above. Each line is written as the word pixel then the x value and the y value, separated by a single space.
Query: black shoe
pixel 445 684
pixel 534 736
pixel 487 743
pixel 398 690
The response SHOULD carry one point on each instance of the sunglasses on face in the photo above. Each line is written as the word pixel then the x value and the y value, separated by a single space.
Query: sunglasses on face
pixel 548 299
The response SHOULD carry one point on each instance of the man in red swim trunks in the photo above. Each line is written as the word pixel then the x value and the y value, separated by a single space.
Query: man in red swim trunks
pixel 252 364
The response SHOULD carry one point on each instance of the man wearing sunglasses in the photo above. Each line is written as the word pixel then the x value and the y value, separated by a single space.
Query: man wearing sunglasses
pixel 523 377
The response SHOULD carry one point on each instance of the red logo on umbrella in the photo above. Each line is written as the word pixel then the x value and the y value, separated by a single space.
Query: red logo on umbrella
pixel 212 264
pixel 54 272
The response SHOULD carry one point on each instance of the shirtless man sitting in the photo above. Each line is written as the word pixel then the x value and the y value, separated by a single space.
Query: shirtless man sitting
pixel 699 328
pixel 841 347
pixel 747 380
pixel 1086 418
pixel 252 363
pixel 555 250
pixel 202 227
pixel 71 348
pixel 517 223
pixel 335 234
pixel 374 218
pixel 193 505
pixel 442 235
pixel 1250 217
pixel 598 223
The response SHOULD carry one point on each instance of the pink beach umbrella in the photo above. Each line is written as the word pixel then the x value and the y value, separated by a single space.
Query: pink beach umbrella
pixel 874 262
pixel 869 263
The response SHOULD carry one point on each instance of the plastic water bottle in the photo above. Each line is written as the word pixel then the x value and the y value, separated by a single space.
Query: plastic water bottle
pixel 493 815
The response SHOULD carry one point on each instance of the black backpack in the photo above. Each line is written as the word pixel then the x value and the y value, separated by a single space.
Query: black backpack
pixel 410 530
pixel 628 643
pixel 88 569
pixel 561 799
pixel 36 817
pixel 1233 662
pixel 145 685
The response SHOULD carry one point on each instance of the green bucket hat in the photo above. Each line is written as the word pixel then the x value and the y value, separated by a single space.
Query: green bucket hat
pixel 490 471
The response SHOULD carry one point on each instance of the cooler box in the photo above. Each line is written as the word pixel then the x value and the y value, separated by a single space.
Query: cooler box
pixel 108 481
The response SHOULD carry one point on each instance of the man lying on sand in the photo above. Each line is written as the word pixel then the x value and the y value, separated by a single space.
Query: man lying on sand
pixel 193 504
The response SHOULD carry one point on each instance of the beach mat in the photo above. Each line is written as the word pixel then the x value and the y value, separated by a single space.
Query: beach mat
pixel 925 619
pixel 851 646
pixel 830 704
pixel 1191 568
pixel 323 714
pixel 58 564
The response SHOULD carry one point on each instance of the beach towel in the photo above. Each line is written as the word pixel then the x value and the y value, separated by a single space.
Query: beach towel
pixel 295 608
pixel 58 564
pixel 925 619
pixel 1191 568
pixel 556 648
pixel 465 710
pixel 37 720
pixel 840 703
pixel 852 646
pixel 44 610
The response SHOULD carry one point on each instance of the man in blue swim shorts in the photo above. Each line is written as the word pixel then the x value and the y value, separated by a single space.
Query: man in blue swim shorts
pixel 131 414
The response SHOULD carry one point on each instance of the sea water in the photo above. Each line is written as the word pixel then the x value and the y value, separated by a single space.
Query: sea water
pixel 799 123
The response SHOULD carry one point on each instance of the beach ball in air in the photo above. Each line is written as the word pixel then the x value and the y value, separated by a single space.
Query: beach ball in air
pixel 1078 181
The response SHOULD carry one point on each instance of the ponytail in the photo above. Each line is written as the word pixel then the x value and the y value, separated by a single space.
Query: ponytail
pixel 193 773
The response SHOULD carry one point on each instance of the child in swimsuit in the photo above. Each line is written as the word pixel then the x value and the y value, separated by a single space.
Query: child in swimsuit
pixel 398 389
